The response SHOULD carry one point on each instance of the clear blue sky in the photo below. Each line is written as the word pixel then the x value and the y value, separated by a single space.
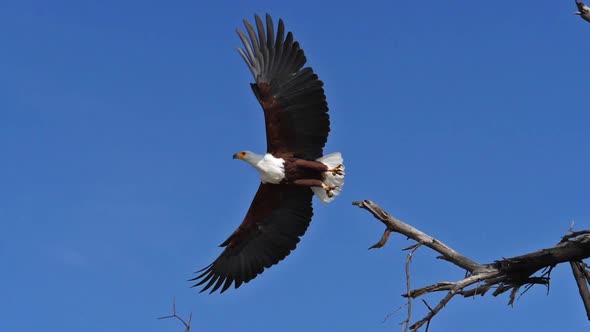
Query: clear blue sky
pixel 118 121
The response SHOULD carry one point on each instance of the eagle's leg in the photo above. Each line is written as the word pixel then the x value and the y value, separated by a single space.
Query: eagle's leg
pixel 319 166
pixel 314 165
pixel 315 183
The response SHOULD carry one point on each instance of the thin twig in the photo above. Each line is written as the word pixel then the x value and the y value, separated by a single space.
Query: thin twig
pixel 429 308
pixel 187 325
pixel 391 314
pixel 458 287
pixel 406 322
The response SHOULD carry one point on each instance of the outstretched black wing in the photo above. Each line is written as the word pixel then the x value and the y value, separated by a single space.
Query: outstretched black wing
pixel 277 218
pixel 292 97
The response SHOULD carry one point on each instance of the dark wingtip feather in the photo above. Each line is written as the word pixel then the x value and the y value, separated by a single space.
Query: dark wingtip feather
pixel 210 283
pixel 217 285
pixel 204 280
pixel 227 284
pixel 260 28
pixel 253 38
pixel 237 284
pixel 270 32
pixel 205 268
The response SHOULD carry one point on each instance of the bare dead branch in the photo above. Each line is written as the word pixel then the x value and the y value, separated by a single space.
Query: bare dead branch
pixel 506 274
pixel 187 325
pixel 383 239
pixel 582 280
pixel 406 322
pixel 585 270
pixel 429 308
pixel 398 226
pixel 457 288
pixel 574 235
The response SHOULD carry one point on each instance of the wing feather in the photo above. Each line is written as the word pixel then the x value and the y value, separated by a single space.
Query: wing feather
pixel 263 47
pixel 282 82
pixel 270 39
pixel 277 218
pixel 251 58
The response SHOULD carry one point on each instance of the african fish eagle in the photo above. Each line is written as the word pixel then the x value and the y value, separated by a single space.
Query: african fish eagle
pixel 293 168
pixel 583 10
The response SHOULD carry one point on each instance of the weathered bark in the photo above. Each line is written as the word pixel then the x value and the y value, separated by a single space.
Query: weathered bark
pixel 506 274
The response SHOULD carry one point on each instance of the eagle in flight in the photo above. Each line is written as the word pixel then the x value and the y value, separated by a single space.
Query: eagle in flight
pixel 293 168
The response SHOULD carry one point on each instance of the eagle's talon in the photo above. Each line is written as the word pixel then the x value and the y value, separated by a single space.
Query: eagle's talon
pixel 329 190
pixel 338 170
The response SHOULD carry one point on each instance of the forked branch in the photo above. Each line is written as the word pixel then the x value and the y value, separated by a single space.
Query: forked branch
pixel 187 324
pixel 506 274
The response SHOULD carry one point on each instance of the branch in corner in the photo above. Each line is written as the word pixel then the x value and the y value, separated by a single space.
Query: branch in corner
pixel 506 274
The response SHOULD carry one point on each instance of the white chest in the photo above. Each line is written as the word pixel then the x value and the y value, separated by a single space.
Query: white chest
pixel 271 169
